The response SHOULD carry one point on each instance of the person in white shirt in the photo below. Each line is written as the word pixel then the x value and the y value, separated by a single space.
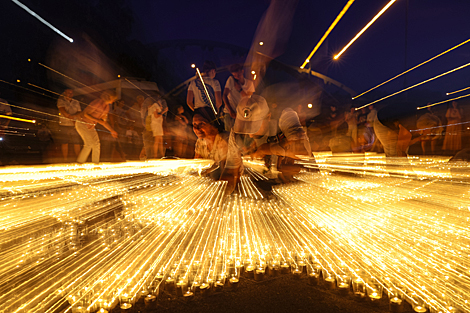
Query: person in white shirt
pixel 69 109
pixel 156 112
pixel 236 88
pixel 198 92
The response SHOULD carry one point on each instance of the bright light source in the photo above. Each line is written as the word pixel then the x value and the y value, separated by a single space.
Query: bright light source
pixel 340 15
pixel 254 78
pixel 1 138
pixel 42 20
pixel 29 60
pixel 310 105
pixel 457 91
pixel 261 43
pixel 253 72
pixel 193 65
pixel 365 28
pixel 18 81
pixel 119 75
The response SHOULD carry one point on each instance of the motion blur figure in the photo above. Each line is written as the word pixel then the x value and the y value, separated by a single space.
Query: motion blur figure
pixel 198 91
pixel 453 137
pixel 156 113
pixel 69 109
pixel 180 133
pixel 95 113
pixel 211 144
pixel 236 88
pixel 429 121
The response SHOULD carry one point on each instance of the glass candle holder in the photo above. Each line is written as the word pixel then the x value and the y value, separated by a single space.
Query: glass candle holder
pixel 343 282
pixel 329 278
pixel 359 287
pixel 313 273
pixel 125 301
pixel 418 304
pixel 374 289
pixel 396 298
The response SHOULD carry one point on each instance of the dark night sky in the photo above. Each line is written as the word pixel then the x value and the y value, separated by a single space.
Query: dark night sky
pixel 433 27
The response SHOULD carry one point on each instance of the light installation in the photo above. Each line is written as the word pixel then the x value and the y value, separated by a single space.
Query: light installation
pixel 86 238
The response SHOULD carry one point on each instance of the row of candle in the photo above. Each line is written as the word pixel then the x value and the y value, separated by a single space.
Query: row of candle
pixel 89 238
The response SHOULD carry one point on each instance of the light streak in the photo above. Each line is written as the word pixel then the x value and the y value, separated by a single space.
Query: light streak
pixel 415 67
pixel 416 85
pixel 205 90
pixel 364 29
pixel 21 5
pixel 450 93
pixel 87 235
pixel 17 119
pixel 57 72
pixel 448 100
pixel 328 31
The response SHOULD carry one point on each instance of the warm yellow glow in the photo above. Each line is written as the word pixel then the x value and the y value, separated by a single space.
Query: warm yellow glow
pixel 119 76
pixel 328 31
pixel 451 93
pixel 18 81
pixel 364 29
pixel 448 100
pixel 309 105
pixel 253 72
pixel 17 119
pixel 193 65
pixel 261 43
pixel 416 85
pixel 90 235
pixel 29 60
pixel 415 67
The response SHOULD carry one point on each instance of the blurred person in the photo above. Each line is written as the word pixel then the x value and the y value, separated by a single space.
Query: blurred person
pixel 211 143
pixel 429 121
pixel 134 113
pixel 146 128
pixel 118 121
pixel 453 134
pixel 342 142
pixel 132 142
pixel 236 87
pixel 365 140
pixel 372 116
pixel 69 110
pixel 197 94
pixel 362 117
pixel 302 116
pixel 156 112
pixel 95 113
pixel 44 136
pixel 180 131
pixel 351 119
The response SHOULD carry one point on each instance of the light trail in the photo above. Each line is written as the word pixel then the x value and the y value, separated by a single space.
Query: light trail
pixel 364 29
pixel 328 31
pixel 21 5
pixel 448 100
pixel 205 90
pixel 416 85
pixel 17 119
pixel 451 93
pixel 415 67
pixel 90 237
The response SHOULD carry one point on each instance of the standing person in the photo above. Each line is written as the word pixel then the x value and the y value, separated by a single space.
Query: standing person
pixel 453 137
pixel 69 109
pixel 351 119
pixel 156 112
pixel 197 91
pixel 236 87
pixel 45 138
pixel 95 113
pixel 146 128
pixel 180 131
pixel 429 121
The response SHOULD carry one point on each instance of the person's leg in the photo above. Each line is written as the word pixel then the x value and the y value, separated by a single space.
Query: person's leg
pixel 87 143
pixel 148 139
pixel 95 146
pixel 65 151
pixel 423 146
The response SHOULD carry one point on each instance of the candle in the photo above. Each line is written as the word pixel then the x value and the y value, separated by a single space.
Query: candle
pixel 313 279
pixel 285 268
pixel 233 280
pixel 259 274
pixel 102 311
pixel 395 305
pixel 375 296
pixel 188 294
pixel 420 309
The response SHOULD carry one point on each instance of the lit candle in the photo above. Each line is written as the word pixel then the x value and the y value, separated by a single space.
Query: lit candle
pixel 420 309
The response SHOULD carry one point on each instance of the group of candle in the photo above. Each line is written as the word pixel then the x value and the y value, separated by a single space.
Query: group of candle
pixel 85 238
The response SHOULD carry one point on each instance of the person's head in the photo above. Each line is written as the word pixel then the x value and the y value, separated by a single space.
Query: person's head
pixel 180 109
pixel 371 107
pixel 140 99
pixel 455 104
pixel 352 109
pixel 209 68
pixel 237 71
pixel 252 116
pixel 108 96
pixel 68 94
pixel 203 123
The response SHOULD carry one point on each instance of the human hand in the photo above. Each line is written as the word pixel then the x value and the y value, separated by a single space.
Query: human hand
pixel 114 134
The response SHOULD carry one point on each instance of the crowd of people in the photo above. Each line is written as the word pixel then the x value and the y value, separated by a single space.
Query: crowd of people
pixel 231 122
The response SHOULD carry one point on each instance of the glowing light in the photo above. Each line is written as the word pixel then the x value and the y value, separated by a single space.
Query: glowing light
pixel 29 60
pixel 17 119
pixel 310 105
pixel 193 65
pixel 328 31
pixel 364 29
pixel 18 81
pixel 205 90
pixel 450 93
pixel 415 67
pixel 42 20
pixel 416 85
pixel 448 100
pixel 261 43
pixel 253 72
pixel 119 76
